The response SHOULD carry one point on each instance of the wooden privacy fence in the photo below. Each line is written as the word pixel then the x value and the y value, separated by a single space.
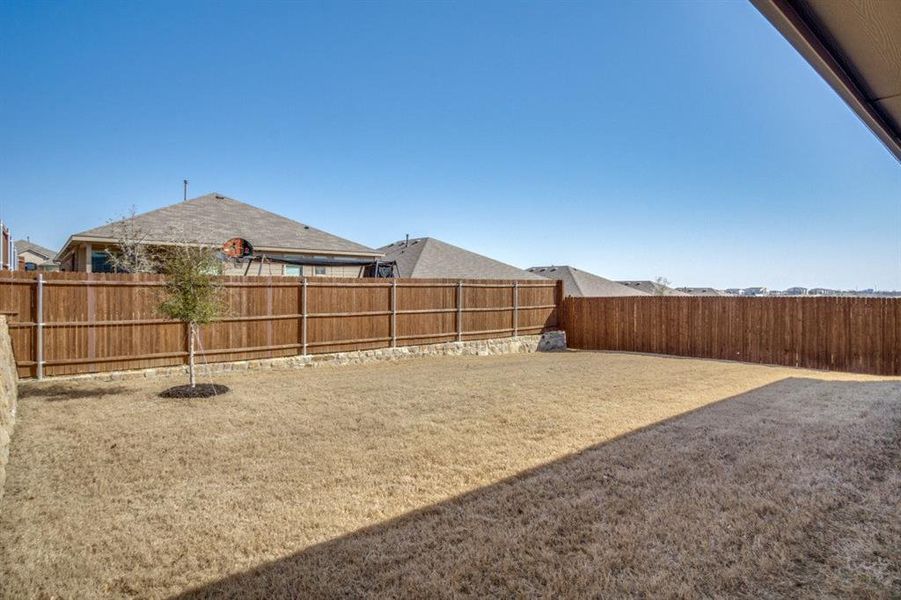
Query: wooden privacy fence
pixel 861 335
pixel 68 323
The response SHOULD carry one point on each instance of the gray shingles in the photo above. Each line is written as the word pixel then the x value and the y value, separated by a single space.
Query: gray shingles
pixel 652 287
pixel 431 258
pixel 702 291
pixel 214 219
pixel 584 284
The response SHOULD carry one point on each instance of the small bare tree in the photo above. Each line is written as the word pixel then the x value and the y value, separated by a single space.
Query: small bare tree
pixel 662 285
pixel 191 293
pixel 131 254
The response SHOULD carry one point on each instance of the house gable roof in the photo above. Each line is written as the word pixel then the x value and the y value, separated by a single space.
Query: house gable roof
pixel 214 219
pixel 432 258
pixel 27 246
pixel 582 283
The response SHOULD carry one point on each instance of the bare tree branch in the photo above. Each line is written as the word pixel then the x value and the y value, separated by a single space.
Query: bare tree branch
pixel 661 289
pixel 131 254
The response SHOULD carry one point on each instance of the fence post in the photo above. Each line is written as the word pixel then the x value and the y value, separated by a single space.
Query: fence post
pixel 560 301
pixel 515 308
pixel 269 314
pixel 303 316
pixel 394 313
pixel 92 330
pixel 39 327
pixel 459 311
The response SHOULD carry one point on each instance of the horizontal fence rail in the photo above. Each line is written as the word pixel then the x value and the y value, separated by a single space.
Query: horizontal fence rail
pixel 71 323
pixel 860 335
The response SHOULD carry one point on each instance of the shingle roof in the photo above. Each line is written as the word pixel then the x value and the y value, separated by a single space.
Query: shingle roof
pixel 652 287
pixel 702 291
pixel 214 219
pixel 582 283
pixel 25 245
pixel 431 258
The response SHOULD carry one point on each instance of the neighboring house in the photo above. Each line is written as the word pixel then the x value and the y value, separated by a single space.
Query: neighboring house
pixel 652 287
pixel 755 291
pixel 431 258
pixel 733 291
pixel 796 291
pixel 582 283
pixel 214 219
pixel 34 256
pixel 822 292
pixel 702 291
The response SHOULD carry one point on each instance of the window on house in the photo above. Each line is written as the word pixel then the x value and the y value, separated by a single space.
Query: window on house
pixel 319 270
pixel 100 262
pixel 292 270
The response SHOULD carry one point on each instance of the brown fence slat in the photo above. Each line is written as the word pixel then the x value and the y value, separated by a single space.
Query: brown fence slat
pixel 860 335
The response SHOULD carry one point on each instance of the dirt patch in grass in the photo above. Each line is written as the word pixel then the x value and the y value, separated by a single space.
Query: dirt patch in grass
pixel 201 390
pixel 516 475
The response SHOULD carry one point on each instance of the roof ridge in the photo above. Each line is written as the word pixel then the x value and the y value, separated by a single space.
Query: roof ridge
pixel 425 245
pixel 24 245
pixel 268 212
pixel 573 273
pixel 149 212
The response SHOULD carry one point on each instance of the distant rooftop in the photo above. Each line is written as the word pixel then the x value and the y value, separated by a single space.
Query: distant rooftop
pixel 582 283
pixel 652 287
pixel 431 258
pixel 702 291
pixel 29 246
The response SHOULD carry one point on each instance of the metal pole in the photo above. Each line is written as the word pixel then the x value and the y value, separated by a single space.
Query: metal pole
pixel 459 311
pixel 39 321
pixel 303 313
pixel 515 307
pixel 394 313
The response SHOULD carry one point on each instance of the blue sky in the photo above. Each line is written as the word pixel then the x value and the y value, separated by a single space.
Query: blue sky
pixel 682 139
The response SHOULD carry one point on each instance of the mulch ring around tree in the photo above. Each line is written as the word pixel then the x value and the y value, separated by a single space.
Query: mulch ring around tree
pixel 201 390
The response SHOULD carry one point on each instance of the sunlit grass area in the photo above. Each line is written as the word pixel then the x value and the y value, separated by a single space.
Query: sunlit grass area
pixel 568 473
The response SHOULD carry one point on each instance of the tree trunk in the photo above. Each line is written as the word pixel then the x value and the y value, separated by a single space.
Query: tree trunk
pixel 192 332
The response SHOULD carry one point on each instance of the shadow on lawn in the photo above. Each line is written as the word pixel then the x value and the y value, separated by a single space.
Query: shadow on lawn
pixel 752 494
pixel 57 392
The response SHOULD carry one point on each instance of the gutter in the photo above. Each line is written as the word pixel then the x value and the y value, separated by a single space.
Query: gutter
pixel 814 47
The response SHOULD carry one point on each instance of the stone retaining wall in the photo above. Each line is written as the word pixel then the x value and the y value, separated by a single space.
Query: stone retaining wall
pixel 546 342
pixel 8 396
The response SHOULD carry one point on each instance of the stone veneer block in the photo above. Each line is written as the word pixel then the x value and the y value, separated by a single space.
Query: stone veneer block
pixel 8 396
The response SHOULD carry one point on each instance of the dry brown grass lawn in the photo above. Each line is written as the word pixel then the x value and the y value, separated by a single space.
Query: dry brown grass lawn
pixel 473 476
